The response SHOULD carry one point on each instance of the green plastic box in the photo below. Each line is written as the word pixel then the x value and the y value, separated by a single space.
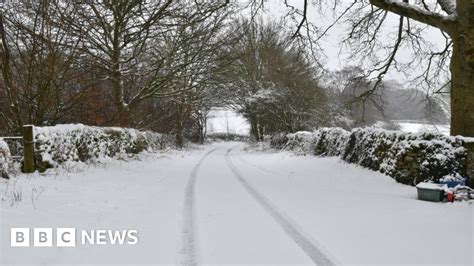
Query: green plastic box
pixel 435 195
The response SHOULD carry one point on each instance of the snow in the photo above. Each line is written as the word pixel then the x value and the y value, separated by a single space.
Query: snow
pixel 70 143
pixel 449 6
pixel 59 129
pixel 3 145
pixel 419 127
pixel 222 119
pixel 433 186
pixel 362 217
pixel 388 151
pixel 448 178
pixel 348 214
pixel 5 159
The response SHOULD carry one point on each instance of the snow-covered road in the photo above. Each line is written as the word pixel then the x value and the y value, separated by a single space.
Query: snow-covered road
pixel 221 204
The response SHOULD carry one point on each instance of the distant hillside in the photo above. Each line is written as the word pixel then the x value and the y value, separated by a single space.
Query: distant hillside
pixel 393 103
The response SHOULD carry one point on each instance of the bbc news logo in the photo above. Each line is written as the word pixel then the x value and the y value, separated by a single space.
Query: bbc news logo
pixel 66 237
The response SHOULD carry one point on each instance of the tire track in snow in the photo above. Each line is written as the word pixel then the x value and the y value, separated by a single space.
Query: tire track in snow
pixel 260 168
pixel 309 246
pixel 189 246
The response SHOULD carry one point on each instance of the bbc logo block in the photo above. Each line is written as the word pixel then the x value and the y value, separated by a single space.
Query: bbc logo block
pixel 42 237
pixel 66 237
pixel 20 237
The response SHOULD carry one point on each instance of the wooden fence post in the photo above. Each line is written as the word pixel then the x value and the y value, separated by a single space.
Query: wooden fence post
pixel 28 149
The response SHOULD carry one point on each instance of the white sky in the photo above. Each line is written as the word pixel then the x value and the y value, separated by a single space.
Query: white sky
pixel 222 120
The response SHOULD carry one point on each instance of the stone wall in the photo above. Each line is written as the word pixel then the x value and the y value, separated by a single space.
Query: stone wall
pixel 408 158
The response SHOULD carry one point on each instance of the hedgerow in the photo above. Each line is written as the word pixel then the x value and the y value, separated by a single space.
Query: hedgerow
pixel 409 158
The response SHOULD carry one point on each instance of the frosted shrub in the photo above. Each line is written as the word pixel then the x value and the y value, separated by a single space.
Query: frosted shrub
pixel 5 159
pixel 278 141
pixel 330 141
pixel 301 142
pixel 325 141
pixel 72 143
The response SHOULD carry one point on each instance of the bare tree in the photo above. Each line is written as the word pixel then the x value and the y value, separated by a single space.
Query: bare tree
pixel 271 80
pixel 36 64
pixel 189 60
pixel 119 35
pixel 454 18
pixel 11 117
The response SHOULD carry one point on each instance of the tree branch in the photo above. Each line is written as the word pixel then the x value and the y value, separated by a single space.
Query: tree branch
pixel 303 19
pixel 445 23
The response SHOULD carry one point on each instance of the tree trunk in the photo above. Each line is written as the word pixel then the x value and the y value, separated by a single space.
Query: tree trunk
pixel 122 117
pixel 179 134
pixel 462 72
pixel 202 133
pixel 180 116
pixel 256 128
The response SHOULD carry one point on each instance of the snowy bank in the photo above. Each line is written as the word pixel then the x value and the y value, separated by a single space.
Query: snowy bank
pixel 76 142
pixel 410 158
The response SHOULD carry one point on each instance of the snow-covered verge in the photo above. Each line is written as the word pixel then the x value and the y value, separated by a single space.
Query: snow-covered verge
pixel 79 143
pixel 143 194
pixel 420 126
pixel 408 157
pixel 361 217
pixel 5 159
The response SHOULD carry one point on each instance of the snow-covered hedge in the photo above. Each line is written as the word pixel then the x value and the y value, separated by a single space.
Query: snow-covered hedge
pixel 407 157
pixel 227 137
pixel 71 143
pixel 5 159
pixel 300 142
pixel 331 141
pixel 325 142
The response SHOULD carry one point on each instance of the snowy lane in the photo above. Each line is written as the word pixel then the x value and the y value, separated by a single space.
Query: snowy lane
pixel 310 247
pixel 233 227
pixel 189 251
pixel 221 204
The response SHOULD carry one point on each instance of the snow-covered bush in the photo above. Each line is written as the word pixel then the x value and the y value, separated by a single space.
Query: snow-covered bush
pixel 301 142
pixel 69 143
pixel 278 141
pixel 325 141
pixel 5 159
pixel 407 157
pixel 330 141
